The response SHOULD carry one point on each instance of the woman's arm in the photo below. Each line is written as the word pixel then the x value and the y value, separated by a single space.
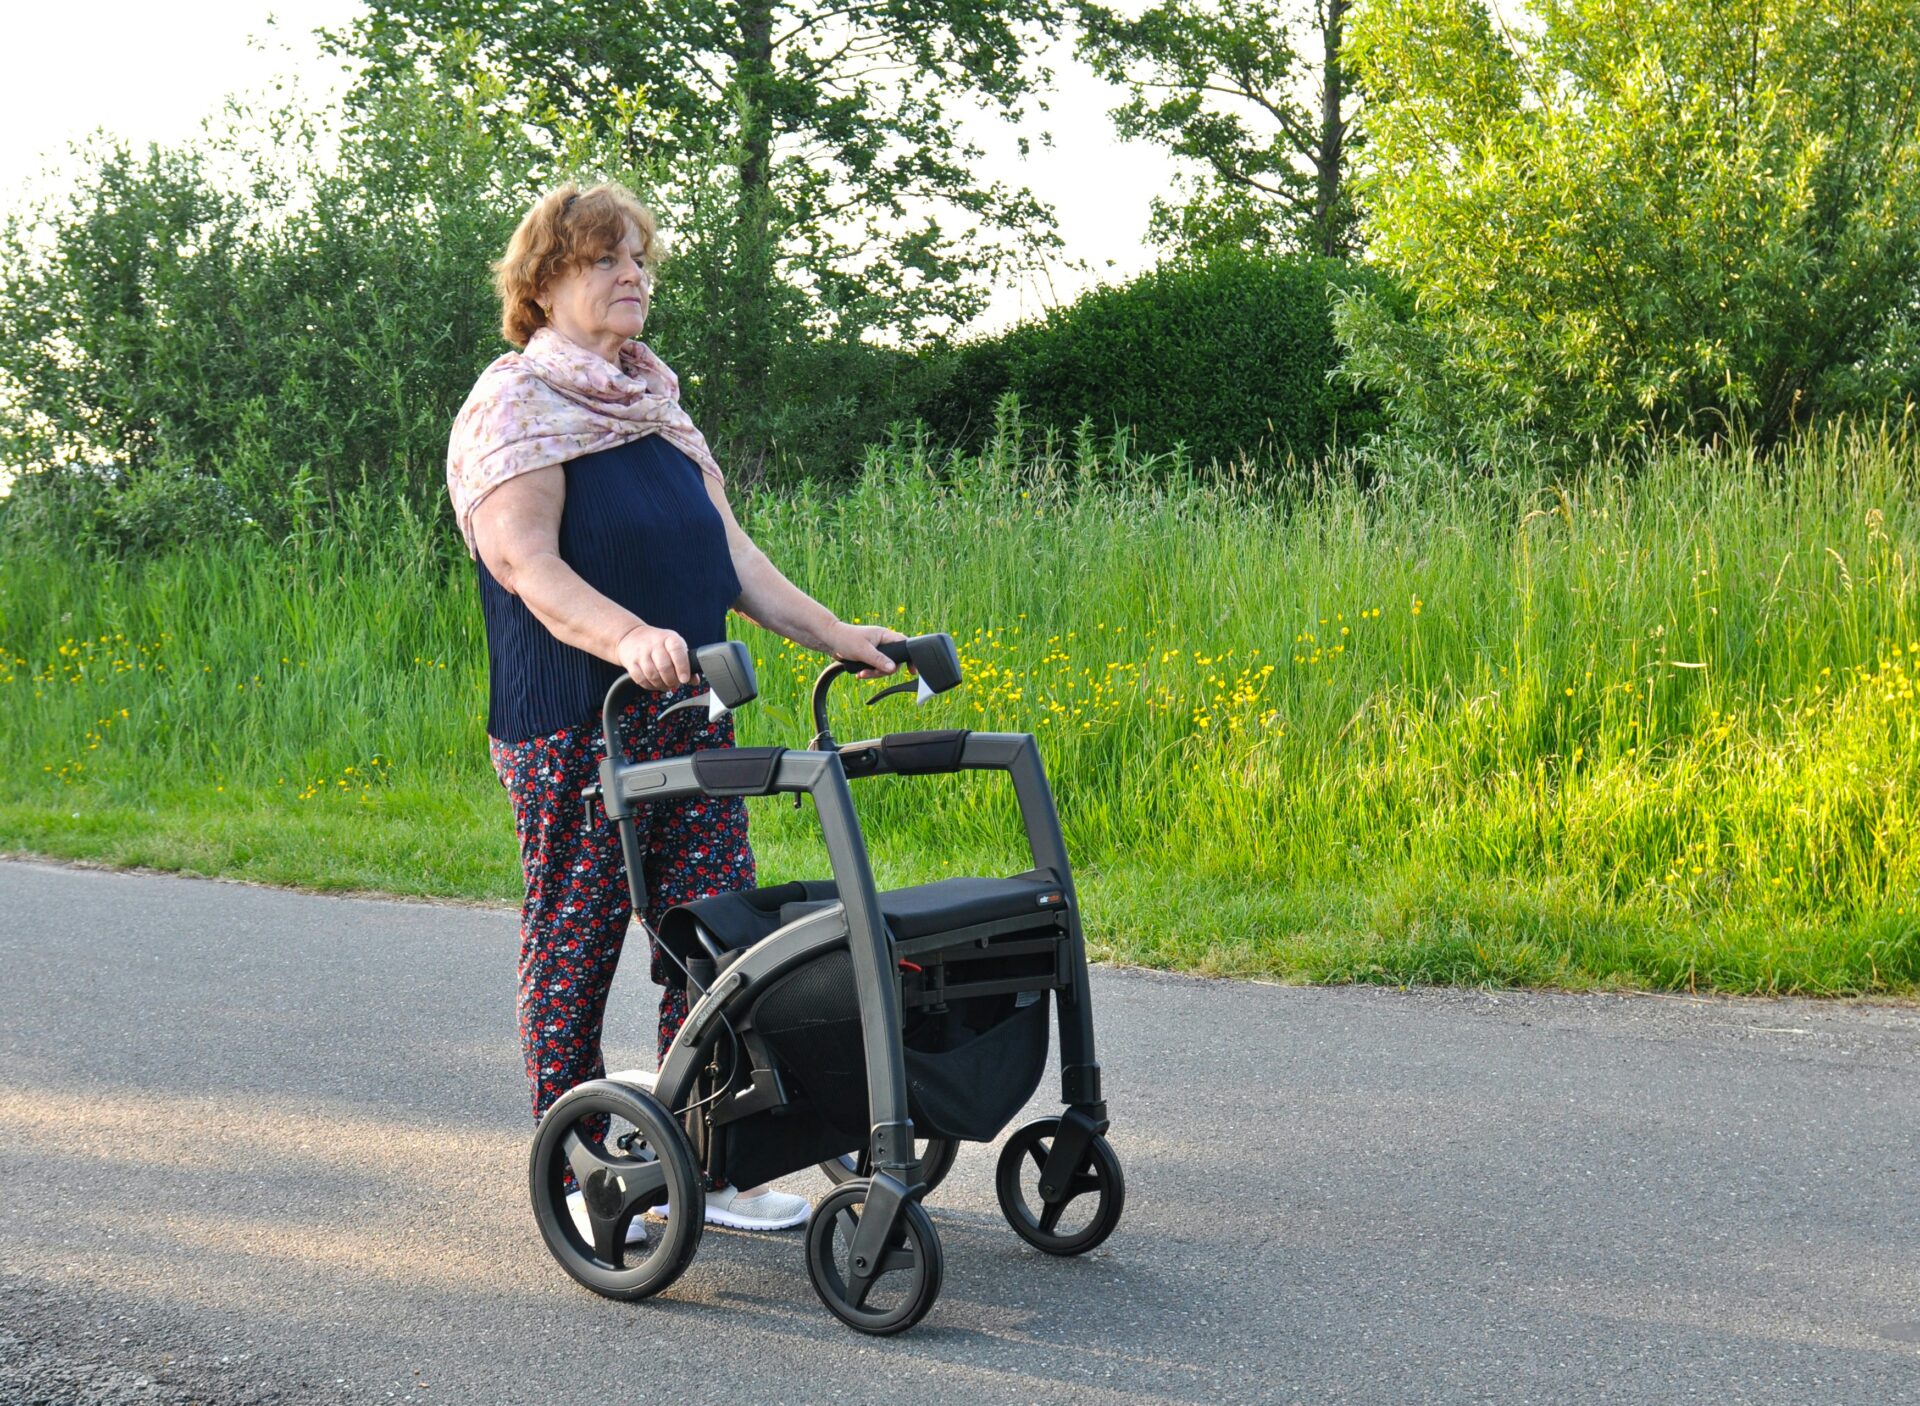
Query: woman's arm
pixel 516 530
pixel 774 603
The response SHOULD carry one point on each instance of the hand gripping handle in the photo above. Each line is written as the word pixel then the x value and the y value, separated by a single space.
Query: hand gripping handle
pixel 933 657
pixel 727 668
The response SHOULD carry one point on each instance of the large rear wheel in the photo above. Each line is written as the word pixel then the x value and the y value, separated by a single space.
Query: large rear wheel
pixel 641 1161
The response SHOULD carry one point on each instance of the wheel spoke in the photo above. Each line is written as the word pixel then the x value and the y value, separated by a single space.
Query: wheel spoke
pixel 624 1185
pixel 640 1186
pixel 610 1239
pixel 1050 1215
pixel 901 1257
pixel 1080 1186
pixel 1040 1151
pixel 860 1286
pixel 585 1158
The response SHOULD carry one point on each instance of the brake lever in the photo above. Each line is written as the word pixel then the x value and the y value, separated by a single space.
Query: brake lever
pixel 904 686
pixel 709 700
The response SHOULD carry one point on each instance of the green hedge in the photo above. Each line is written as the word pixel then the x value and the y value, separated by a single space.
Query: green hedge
pixel 1228 355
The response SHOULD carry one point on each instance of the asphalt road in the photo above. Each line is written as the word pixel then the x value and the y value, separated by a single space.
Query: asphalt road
pixel 267 1147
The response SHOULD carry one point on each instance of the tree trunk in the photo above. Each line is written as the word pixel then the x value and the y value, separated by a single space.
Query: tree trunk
pixel 753 77
pixel 1330 161
pixel 754 269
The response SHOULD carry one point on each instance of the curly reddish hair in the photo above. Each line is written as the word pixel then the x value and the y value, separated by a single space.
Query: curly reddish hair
pixel 565 229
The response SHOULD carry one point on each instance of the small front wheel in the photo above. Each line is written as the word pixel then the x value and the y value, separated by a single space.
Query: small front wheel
pixel 1074 1224
pixel 626 1153
pixel 935 1159
pixel 889 1297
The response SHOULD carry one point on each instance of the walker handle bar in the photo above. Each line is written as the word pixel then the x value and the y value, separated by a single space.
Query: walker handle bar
pixel 933 657
pixel 727 668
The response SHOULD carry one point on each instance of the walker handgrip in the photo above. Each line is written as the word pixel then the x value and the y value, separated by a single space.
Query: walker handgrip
pixel 727 668
pixel 933 657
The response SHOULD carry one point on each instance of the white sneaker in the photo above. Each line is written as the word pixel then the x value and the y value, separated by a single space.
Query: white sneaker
pixel 577 1206
pixel 762 1209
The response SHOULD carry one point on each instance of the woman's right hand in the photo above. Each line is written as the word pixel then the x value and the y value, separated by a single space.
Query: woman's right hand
pixel 656 658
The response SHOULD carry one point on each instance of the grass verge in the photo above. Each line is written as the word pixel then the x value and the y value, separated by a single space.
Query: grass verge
pixel 1657 730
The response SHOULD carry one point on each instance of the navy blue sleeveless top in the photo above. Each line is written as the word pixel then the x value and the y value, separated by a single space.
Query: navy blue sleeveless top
pixel 639 528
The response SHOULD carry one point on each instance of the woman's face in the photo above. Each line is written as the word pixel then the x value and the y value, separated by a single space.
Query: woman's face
pixel 604 302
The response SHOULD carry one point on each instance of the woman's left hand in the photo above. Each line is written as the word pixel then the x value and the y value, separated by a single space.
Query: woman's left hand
pixel 855 644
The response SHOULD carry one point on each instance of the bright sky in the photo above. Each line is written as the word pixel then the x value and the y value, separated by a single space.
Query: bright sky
pixel 153 72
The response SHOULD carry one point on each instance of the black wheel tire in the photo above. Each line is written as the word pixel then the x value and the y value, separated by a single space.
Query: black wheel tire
pixel 621 1183
pixel 909 1288
pixel 1017 1182
pixel 936 1159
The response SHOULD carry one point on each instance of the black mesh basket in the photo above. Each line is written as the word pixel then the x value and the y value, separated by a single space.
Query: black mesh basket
pixel 971 1065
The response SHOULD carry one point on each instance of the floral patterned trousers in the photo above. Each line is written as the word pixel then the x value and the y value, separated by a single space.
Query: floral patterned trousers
pixel 577 910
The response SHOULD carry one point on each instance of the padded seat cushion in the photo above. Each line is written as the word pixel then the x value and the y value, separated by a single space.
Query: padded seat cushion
pixel 744 917
pixel 947 904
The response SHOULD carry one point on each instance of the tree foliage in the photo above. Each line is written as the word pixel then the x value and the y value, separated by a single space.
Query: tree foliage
pixel 194 352
pixel 1637 218
pixel 1223 85
pixel 852 186
pixel 189 350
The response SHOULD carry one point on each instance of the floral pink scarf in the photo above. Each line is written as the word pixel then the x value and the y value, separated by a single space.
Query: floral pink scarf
pixel 554 402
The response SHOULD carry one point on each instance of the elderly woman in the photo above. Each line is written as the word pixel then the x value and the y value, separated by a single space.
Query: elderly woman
pixel 605 545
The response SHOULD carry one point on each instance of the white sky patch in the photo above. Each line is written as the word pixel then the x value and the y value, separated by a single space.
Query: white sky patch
pixel 1099 186
pixel 146 72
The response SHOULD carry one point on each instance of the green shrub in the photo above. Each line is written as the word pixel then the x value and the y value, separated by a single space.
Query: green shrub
pixel 191 353
pixel 1226 355
pixel 106 511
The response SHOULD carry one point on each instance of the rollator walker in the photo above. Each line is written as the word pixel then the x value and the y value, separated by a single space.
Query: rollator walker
pixel 868 1032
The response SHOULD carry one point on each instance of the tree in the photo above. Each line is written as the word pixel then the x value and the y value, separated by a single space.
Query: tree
pixel 1640 216
pixel 850 201
pixel 1223 86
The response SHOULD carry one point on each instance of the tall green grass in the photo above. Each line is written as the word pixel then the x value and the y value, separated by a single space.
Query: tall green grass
pixel 1655 729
